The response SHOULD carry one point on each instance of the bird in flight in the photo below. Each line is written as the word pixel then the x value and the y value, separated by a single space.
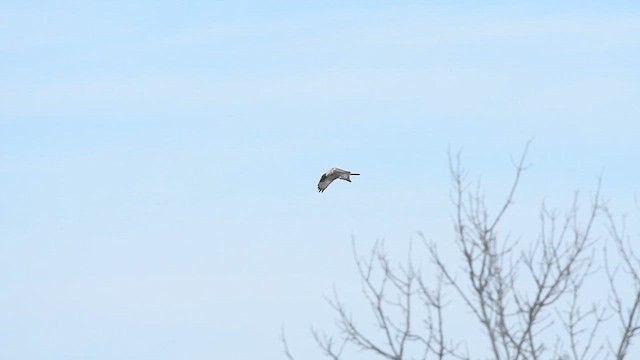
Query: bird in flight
pixel 331 175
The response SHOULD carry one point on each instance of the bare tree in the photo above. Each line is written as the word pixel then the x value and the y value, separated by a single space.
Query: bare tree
pixel 526 297
pixel 627 310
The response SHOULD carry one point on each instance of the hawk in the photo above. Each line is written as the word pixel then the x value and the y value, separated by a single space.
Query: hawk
pixel 331 175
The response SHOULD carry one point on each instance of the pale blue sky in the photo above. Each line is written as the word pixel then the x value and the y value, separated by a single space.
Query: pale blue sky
pixel 158 159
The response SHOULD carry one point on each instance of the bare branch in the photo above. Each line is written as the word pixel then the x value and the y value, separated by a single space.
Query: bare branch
pixel 285 345
pixel 525 293
pixel 629 315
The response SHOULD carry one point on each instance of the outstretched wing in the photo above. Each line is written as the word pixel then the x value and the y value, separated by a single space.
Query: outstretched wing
pixel 324 182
